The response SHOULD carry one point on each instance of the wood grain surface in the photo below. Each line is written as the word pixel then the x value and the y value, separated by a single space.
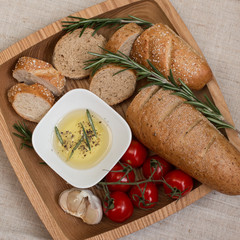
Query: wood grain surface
pixel 42 196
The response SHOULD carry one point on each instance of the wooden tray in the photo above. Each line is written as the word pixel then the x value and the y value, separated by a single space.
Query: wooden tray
pixel 40 183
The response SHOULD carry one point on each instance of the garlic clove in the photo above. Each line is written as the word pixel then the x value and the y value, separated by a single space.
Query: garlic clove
pixel 94 211
pixel 81 203
pixel 63 200
pixel 76 203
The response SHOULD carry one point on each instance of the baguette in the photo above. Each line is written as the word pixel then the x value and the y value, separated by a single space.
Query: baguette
pixel 111 88
pixel 31 70
pixel 183 136
pixel 71 51
pixel 123 39
pixel 166 50
pixel 31 102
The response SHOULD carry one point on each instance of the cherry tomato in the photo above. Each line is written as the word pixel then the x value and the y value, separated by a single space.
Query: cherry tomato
pixel 177 184
pixel 119 208
pixel 157 165
pixel 135 154
pixel 144 195
pixel 123 172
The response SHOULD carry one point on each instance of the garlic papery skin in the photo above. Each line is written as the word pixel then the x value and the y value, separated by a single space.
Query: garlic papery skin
pixel 83 204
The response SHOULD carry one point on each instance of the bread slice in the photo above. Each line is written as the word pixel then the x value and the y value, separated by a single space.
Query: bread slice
pixel 113 89
pixel 71 51
pixel 31 70
pixel 31 102
pixel 123 39
pixel 166 50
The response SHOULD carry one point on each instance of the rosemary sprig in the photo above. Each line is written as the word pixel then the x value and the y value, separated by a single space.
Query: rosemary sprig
pixel 97 23
pixel 58 134
pixel 86 137
pixel 76 146
pixel 24 133
pixel 91 122
pixel 208 109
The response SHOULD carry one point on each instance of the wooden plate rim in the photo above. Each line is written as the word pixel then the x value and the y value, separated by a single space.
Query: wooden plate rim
pixel 15 160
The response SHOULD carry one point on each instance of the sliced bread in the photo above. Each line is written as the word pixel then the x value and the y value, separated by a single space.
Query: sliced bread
pixel 113 89
pixel 71 51
pixel 31 102
pixel 123 39
pixel 31 70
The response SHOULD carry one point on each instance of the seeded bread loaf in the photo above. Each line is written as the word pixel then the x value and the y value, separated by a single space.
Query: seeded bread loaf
pixel 166 50
pixel 71 51
pixel 31 102
pixel 31 70
pixel 123 39
pixel 113 89
pixel 184 137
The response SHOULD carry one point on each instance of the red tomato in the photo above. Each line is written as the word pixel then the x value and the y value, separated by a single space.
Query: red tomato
pixel 177 184
pixel 144 195
pixel 135 154
pixel 123 172
pixel 157 165
pixel 119 208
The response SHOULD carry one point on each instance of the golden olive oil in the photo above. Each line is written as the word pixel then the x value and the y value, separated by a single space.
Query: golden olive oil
pixel 76 150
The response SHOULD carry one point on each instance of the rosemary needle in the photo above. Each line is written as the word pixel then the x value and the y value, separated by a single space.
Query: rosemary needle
pixel 86 137
pixel 76 146
pixel 91 122
pixel 43 163
pixel 24 133
pixel 58 134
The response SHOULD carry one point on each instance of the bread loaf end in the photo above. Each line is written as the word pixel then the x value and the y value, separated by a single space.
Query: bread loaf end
pixel 166 50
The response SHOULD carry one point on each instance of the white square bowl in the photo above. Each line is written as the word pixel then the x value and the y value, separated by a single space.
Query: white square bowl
pixel 42 138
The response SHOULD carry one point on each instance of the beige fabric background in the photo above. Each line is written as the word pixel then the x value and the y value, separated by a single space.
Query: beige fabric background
pixel 215 24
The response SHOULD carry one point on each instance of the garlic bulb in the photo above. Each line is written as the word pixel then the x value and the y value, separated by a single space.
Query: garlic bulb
pixel 83 204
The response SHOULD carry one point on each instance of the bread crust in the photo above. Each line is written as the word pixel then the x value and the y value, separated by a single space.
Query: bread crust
pixel 166 50
pixel 184 137
pixel 135 108
pixel 123 35
pixel 36 90
pixel 40 69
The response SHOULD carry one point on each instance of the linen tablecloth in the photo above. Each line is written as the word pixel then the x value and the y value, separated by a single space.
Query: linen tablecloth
pixel 215 24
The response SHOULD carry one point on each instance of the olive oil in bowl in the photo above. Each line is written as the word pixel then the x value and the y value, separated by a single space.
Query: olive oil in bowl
pixel 82 139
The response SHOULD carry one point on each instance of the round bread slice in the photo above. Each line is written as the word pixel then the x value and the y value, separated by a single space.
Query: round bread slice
pixel 71 51
pixel 31 102
pixel 123 39
pixel 111 88
pixel 31 70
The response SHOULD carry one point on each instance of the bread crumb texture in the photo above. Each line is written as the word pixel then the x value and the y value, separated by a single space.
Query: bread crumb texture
pixel 71 51
pixel 111 88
